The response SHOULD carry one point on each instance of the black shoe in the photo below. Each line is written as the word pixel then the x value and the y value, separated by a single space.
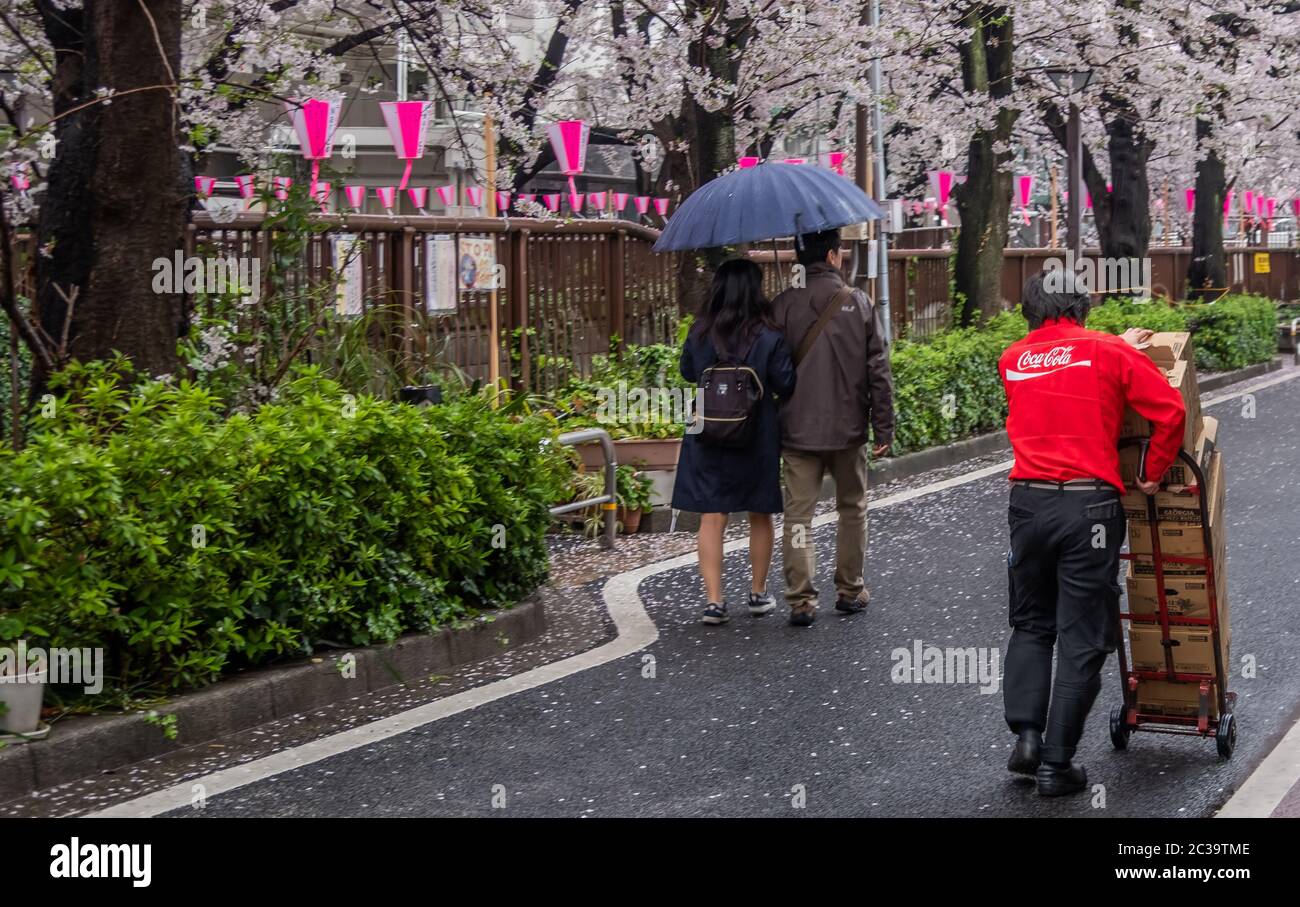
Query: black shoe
pixel 1024 758
pixel 850 605
pixel 1059 780
pixel 760 604
pixel 715 614
pixel 803 616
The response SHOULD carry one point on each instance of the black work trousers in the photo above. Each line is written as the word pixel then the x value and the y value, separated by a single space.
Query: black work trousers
pixel 1062 576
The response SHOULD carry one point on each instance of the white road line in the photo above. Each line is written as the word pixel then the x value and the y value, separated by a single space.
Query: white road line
pixel 1268 784
pixel 635 631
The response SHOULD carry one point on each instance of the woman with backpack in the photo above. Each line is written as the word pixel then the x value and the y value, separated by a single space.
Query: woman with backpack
pixel 731 454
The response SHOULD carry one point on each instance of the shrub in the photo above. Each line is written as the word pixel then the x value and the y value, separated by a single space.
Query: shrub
pixel 1233 332
pixel 187 543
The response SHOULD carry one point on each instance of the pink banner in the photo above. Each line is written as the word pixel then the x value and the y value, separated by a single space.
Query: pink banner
pixel 941 183
pixel 503 201
pixel 552 201
pixel 745 163
pixel 598 200
pixel 620 200
pixel 661 207
pixel 1025 184
pixel 204 185
pixel 282 184
pixel 642 203
pixel 474 195
pixel 387 196
pixel 322 194
pixel 1227 201
pixel 1190 195
pixel 575 202
pixel 569 142
pixel 837 159
pixel 447 195
pixel 247 185
pixel 356 196
pixel 419 196
pixel 1248 202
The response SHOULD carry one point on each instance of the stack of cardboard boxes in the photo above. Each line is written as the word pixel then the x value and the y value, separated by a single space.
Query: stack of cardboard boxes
pixel 1180 533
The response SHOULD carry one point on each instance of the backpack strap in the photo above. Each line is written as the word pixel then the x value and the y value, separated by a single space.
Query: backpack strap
pixel 815 331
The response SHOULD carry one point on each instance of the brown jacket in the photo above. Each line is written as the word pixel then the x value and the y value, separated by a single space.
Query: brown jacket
pixel 844 382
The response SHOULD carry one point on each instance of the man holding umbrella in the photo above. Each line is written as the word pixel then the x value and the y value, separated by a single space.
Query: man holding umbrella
pixel 843 399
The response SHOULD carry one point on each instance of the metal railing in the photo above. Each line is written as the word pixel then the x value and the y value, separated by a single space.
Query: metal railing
pixel 609 500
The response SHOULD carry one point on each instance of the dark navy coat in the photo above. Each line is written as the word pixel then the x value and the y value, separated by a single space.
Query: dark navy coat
pixel 714 479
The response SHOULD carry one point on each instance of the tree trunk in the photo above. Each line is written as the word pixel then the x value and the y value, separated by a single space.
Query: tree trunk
pixel 1207 273
pixel 984 200
pixel 1124 213
pixel 116 197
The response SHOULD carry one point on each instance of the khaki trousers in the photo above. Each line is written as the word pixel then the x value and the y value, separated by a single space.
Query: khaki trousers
pixel 803 472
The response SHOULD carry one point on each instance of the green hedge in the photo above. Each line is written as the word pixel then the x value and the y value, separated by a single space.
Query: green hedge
pixel 187 542
pixel 947 388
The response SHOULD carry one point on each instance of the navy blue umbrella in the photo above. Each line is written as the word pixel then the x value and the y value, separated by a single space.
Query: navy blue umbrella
pixel 769 201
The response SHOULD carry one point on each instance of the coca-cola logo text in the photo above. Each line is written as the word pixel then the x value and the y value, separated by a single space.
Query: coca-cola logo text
pixel 1056 356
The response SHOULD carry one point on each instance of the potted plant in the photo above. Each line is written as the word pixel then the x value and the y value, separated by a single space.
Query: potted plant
pixel 22 691
pixel 633 493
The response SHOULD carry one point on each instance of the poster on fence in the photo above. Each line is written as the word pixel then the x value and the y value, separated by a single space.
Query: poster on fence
pixel 478 263
pixel 440 293
pixel 347 272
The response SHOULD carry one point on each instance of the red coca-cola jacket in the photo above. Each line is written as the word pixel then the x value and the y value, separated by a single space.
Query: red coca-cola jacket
pixel 1066 390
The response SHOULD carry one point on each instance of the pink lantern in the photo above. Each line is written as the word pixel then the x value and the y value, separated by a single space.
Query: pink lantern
pixel 18 176
pixel 282 184
pixel 642 203
pixel 598 200
pixel 1272 206
pixel 793 160
pixel 1026 186
pixel 620 201
pixel 314 121
pixel 503 201
pixel 1227 202
pixel 747 162
pixel 419 196
pixel 1191 200
pixel 356 196
pixel 406 122
pixel 941 182
pixel 1087 200
pixel 322 194
pixel 552 201
pixel 569 142
pixel 661 207
pixel 387 196
pixel 1248 202
pixel 247 186
pixel 575 202
pixel 204 185
pixel 1295 208
pixel 446 195
pixel 528 199
pixel 474 195
pixel 837 159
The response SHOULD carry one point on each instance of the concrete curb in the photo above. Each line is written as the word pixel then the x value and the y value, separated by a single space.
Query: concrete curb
pixel 913 464
pixel 80 747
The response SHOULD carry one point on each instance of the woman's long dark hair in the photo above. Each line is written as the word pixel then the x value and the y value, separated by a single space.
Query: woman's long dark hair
pixel 736 307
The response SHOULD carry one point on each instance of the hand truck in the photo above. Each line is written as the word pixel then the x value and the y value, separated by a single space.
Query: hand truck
pixel 1127 718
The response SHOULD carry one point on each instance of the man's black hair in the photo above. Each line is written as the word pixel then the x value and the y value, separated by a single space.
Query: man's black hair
pixel 1055 293
pixel 811 248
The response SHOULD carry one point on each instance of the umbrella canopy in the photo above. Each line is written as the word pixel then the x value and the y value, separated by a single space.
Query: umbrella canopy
pixel 769 201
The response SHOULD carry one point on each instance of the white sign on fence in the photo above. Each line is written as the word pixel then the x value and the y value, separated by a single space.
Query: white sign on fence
pixel 347 270
pixel 440 290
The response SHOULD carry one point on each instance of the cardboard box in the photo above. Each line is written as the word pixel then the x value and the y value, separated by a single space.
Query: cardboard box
pixel 1179 537
pixel 1185 596
pixel 1161 697
pixel 1193 649
pixel 1182 377
pixel 1178 473
pixel 1167 347
pixel 1177 504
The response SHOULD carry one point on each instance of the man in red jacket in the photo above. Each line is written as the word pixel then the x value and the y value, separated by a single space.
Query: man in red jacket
pixel 1067 388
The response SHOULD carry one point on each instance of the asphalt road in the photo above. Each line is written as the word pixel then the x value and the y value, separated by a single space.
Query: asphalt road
pixel 760 719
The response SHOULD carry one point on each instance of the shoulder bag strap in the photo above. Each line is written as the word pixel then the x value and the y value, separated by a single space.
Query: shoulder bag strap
pixel 816 330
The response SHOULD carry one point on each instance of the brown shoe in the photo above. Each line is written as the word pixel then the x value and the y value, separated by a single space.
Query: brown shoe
pixel 803 615
pixel 853 605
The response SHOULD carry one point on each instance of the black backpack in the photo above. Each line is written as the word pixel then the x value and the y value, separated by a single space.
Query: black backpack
pixel 730 392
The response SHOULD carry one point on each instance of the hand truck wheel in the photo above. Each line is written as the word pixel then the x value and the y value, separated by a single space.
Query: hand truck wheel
pixel 1225 737
pixel 1119 734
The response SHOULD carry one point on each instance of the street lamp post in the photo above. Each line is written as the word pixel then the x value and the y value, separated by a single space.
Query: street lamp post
pixel 1071 82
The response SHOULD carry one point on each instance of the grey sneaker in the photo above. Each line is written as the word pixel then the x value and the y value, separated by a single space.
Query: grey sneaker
pixel 715 614
pixel 761 604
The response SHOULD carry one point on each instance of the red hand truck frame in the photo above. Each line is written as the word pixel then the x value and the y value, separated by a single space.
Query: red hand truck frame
pixel 1127 718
